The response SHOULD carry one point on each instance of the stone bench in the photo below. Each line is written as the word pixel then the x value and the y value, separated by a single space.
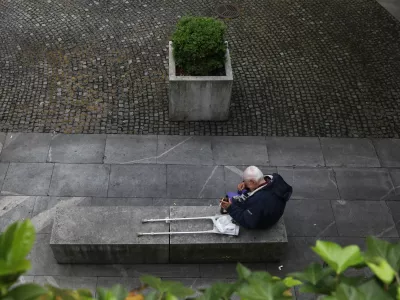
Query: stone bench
pixel 104 235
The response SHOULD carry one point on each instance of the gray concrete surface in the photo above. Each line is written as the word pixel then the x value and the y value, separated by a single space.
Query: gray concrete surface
pixel 337 203
pixel 104 235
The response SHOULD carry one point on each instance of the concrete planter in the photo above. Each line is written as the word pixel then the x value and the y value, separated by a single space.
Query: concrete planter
pixel 199 98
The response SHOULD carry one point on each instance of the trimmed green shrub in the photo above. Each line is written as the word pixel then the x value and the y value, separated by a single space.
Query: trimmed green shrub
pixel 199 46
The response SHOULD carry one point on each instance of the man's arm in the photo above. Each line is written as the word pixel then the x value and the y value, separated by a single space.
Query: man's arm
pixel 246 217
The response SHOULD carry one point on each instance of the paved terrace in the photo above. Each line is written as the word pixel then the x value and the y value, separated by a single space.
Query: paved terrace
pixel 301 68
pixel 344 190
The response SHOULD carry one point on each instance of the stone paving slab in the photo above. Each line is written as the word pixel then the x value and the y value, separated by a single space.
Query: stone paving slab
pixel 3 136
pixel 240 151
pixel 164 270
pixel 138 180
pixel 395 175
pixel 311 183
pixel 3 172
pixel 31 179
pixel 26 147
pixel 185 202
pixel 14 208
pixel 395 211
pixel 80 180
pixel 185 181
pixel 349 152
pixel 184 150
pixel 363 218
pixel 364 184
pixel 302 152
pixel 312 218
pixel 130 149
pixel 43 261
pixel 388 151
pixel 79 148
pixel 392 6
pixel 95 201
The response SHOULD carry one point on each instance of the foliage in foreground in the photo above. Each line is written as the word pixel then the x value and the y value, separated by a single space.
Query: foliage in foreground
pixel 381 259
pixel 199 46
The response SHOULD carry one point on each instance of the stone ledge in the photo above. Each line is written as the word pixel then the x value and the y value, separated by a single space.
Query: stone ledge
pixel 104 235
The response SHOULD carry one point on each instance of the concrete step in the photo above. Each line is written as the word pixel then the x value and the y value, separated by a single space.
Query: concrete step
pixel 104 235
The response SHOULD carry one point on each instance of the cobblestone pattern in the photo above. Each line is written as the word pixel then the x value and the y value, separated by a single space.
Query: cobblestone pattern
pixel 301 68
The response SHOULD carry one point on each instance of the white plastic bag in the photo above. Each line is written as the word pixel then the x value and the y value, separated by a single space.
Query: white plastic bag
pixel 223 224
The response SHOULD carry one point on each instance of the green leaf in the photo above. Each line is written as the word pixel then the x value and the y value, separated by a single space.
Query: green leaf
pixel 386 250
pixel 262 276
pixel 381 269
pixel 348 292
pixel 84 293
pixel 27 291
pixel 17 241
pixel 354 280
pixel 153 295
pixel 117 292
pixel 373 291
pixel 313 273
pixel 14 268
pixel 102 294
pixel 169 296
pixel 338 258
pixel 175 288
pixel 325 286
pixel 258 290
pixel 291 282
pixel 64 294
pixel 242 271
pixel 151 281
pixel 330 298
pixel 310 288
pixel 398 293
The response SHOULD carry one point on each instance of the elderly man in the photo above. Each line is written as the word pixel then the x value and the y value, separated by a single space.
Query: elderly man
pixel 260 200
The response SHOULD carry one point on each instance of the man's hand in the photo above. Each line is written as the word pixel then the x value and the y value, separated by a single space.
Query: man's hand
pixel 241 186
pixel 224 204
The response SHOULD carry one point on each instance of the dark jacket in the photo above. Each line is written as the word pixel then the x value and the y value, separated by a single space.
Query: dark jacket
pixel 263 208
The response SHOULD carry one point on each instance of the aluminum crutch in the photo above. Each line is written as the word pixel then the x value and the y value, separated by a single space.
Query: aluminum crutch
pixel 168 220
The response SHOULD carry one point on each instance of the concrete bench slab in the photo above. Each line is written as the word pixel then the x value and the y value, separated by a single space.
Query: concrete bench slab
pixel 103 235
pixel 109 235
pixel 250 246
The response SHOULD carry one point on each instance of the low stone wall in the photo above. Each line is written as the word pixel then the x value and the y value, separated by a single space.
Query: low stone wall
pixel 109 235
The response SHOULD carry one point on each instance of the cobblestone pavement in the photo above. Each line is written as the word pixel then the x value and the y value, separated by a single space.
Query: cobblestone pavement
pixel 301 68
